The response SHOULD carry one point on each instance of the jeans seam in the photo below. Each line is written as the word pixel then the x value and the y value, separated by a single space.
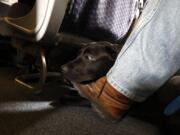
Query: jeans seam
pixel 139 27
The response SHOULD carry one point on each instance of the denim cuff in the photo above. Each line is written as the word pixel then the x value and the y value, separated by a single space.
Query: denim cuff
pixel 123 89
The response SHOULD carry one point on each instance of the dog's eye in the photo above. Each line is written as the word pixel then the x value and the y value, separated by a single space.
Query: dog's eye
pixel 90 58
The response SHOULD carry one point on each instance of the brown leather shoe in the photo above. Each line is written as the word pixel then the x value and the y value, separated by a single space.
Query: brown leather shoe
pixel 107 101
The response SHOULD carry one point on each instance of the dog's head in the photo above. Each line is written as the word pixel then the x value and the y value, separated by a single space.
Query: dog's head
pixel 93 61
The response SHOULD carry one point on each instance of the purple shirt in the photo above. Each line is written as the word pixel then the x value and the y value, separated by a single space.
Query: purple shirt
pixel 100 19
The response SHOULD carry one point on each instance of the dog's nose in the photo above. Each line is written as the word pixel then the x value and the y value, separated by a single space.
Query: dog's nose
pixel 64 69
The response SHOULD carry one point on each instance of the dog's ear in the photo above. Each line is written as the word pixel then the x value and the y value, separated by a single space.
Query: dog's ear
pixel 118 47
pixel 112 52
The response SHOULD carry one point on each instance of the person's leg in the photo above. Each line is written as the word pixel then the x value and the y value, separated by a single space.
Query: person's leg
pixel 150 57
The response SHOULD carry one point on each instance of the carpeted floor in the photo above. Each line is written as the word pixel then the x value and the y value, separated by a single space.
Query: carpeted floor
pixel 23 113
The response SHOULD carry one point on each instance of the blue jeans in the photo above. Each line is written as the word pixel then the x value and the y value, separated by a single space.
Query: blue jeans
pixel 151 54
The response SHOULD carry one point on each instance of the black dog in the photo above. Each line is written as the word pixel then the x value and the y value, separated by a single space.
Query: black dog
pixel 94 60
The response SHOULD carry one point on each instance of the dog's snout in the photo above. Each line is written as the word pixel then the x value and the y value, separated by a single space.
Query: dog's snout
pixel 64 69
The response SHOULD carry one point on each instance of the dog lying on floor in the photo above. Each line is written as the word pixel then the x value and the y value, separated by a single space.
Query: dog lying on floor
pixel 93 61
pixel 85 63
